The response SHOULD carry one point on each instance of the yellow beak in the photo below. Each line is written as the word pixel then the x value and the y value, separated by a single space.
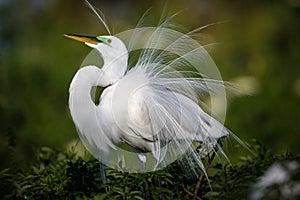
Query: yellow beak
pixel 81 38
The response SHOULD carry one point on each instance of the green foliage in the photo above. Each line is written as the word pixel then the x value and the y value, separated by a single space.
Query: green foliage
pixel 45 178
pixel 62 175
pixel 37 63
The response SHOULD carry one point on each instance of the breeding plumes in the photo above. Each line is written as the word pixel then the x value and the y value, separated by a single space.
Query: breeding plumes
pixel 152 108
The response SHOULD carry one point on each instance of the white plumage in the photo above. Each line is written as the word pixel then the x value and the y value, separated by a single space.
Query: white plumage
pixel 152 105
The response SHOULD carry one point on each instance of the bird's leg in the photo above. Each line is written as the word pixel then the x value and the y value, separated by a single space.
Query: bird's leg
pixel 142 157
pixel 158 157
pixel 147 192
pixel 103 174
pixel 158 181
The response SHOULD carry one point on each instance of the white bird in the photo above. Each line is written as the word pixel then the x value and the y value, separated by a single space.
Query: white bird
pixel 151 106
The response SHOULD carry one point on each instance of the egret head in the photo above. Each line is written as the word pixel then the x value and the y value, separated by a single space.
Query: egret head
pixel 109 47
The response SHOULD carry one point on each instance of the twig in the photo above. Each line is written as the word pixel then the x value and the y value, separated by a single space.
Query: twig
pixel 210 159
pixel 189 193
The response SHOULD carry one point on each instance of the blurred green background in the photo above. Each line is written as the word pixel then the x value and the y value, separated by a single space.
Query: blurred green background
pixel 259 47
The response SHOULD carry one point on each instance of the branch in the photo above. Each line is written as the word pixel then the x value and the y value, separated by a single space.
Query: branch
pixel 210 159
pixel 189 193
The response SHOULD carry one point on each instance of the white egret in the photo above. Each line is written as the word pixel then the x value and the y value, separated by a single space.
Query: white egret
pixel 151 105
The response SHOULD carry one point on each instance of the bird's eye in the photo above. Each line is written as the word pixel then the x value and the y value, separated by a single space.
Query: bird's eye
pixel 104 40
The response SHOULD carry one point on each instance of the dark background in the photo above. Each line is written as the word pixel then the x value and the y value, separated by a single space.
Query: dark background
pixel 259 47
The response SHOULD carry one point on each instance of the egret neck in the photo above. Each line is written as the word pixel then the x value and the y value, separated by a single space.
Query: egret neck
pixel 115 64
pixel 83 109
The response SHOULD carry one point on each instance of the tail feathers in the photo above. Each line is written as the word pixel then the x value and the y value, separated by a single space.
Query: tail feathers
pixel 209 127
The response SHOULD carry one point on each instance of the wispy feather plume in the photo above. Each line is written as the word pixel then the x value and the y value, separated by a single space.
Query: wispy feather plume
pixel 98 15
